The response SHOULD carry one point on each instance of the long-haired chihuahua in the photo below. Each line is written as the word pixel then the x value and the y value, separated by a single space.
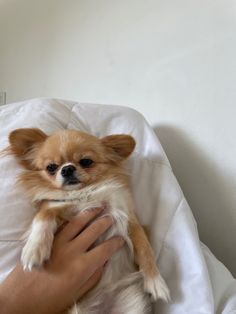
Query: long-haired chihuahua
pixel 70 172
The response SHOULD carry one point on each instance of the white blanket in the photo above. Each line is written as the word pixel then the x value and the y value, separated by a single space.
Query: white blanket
pixel 198 282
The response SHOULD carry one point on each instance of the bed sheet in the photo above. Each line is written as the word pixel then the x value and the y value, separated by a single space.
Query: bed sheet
pixel 198 282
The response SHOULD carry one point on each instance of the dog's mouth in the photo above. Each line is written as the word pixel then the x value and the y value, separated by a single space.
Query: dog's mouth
pixel 71 185
pixel 71 181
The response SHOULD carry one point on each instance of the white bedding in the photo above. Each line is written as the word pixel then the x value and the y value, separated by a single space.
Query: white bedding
pixel 198 282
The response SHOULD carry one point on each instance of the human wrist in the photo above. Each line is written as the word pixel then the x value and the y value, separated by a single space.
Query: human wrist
pixel 5 302
pixel 21 293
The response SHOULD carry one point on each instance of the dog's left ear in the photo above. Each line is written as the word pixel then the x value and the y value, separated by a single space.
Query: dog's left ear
pixel 119 146
pixel 24 143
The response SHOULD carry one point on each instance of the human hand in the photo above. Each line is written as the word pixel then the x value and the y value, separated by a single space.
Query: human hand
pixel 72 270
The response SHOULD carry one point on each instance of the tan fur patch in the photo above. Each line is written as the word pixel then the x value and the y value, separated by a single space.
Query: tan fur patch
pixel 59 214
pixel 144 255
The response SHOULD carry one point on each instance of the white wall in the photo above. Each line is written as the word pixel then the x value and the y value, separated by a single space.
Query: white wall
pixel 173 60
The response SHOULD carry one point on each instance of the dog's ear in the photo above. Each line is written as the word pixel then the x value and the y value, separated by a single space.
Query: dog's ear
pixel 119 146
pixel 24 143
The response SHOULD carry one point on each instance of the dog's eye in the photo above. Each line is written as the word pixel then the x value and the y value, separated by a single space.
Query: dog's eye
pixel 85 162
pixel 51 168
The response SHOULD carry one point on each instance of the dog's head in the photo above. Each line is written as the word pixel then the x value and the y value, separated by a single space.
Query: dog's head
pixel 69 159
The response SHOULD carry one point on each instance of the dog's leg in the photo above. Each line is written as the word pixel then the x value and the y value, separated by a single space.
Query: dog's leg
pixel 39 243
pixel 144 257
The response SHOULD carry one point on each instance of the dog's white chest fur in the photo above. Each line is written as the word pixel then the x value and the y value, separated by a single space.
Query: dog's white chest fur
pixel 112 194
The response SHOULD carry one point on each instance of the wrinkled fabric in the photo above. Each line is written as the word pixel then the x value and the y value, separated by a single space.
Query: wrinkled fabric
pixel 198 282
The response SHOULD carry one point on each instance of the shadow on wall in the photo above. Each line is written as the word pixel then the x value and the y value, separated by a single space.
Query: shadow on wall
pixel 202 184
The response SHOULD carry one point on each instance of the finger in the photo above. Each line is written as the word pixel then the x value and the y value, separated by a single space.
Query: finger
pixel 90 283
pixel 92 233
pixel 101 253
pixel 76 225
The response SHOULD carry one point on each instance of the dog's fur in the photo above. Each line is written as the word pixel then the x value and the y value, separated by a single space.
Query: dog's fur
pixel 102 180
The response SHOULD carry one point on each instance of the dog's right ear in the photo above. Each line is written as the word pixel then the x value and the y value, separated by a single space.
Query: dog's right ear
pixel 24 143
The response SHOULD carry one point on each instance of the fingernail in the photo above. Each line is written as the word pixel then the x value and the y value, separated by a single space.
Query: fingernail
pixel 95 209
pixel 99 209
pixel 107 217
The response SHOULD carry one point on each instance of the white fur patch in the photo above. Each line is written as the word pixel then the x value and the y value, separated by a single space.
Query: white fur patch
pixel 95 192
pixel 39 244
pixel 74 310
pixel 59 179
pixel 131 300
pixel 157 288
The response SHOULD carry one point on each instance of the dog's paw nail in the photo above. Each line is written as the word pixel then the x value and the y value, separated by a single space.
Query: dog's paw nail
pixel 157 288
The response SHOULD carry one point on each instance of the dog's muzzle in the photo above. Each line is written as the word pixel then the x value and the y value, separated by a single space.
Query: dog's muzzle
pixel 69 174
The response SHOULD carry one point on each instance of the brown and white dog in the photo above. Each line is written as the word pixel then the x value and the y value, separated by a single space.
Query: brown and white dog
pixel 67 173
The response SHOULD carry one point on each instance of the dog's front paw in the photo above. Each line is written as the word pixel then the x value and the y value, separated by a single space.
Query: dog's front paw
pixel 35 254
pixel 157 288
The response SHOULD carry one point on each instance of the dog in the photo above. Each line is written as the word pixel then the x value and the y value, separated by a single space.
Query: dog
pixel 70 172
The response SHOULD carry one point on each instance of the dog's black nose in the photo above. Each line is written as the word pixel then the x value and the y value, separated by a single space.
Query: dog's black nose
pixel 68 171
